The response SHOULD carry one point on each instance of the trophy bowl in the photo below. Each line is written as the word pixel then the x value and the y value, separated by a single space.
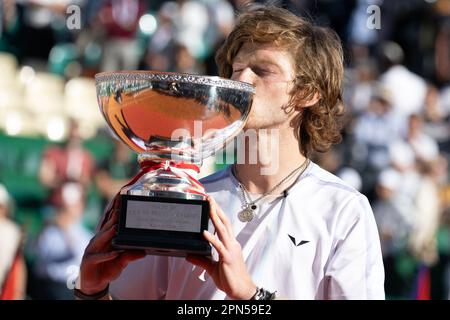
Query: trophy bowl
pixel 173 121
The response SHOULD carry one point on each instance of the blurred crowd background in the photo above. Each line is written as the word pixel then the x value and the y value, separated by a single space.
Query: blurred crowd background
pixel 59 165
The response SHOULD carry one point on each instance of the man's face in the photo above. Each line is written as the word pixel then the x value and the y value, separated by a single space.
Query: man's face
pixel 271 71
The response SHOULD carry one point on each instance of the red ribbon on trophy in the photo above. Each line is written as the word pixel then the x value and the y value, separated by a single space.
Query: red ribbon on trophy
pixel 177 168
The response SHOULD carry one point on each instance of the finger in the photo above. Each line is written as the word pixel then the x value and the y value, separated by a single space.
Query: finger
pixel 131 255
pixel 223 217
pixel 202 262
pixel 217 244
pixel 222 231
pixel 128 256
pixel 113 269
pixel 114 202
pixel 108 246
pixel 110 212
pixel 103 257
pixel 113 219
pixel 103 238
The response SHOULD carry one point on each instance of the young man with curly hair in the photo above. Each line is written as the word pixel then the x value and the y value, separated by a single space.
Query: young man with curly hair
pixel 299 233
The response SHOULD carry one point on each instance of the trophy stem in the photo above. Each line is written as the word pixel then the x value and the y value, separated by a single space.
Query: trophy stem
pixel 166 178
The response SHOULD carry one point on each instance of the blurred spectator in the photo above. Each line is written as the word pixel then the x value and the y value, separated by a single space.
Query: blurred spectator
pixel 60 247
pixel 393 212
pixel 239 4
pixel 361 89
pixel 116 171
pixel 221 23
pixel 9 27
pixel 444 257
pixel 443 53
pixel 394 215
pixel 434 108
pixel 413 28
pixel 437 116
pixel 425 148
pixel 351 177
pixel 68 163
pixel 120 19
pixel 44 25
pixel 408 90
pixel 362 38
pixel 192 24
pixel 442 42
pixel 159 54
pixel 377 127
pixel 12 264
pixel 402 159
pixel 222 18
pixel 423 242
pixel 185 62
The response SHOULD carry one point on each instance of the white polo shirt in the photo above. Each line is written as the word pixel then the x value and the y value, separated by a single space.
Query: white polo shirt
pixel 319 242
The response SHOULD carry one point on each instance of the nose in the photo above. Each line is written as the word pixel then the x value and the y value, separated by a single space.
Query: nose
pixel 245 75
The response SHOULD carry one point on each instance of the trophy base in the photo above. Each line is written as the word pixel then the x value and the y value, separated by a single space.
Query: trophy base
pixel 163 226
pixel 161 247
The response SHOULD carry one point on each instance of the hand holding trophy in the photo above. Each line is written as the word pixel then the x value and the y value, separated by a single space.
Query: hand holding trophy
pixel 173 121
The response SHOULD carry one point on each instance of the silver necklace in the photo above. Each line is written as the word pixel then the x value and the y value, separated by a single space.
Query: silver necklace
pixel 249 206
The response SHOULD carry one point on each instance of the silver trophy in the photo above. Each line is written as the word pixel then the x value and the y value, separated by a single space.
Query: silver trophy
pixel 173 121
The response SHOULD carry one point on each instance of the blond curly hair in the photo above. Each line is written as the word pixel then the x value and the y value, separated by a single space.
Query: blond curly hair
pixel 318 57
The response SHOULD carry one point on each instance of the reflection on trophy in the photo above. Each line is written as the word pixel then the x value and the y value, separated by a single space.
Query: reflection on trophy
pixel 173 121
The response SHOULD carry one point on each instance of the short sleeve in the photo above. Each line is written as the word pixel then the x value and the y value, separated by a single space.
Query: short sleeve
pixel 355 268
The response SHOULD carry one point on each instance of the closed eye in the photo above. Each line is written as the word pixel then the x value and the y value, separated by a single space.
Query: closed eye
pixel 262 71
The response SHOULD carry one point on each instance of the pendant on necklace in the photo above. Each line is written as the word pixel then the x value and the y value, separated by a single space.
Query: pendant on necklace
pixel 246 214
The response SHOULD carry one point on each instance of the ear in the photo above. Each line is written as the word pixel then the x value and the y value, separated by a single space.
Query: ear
pixel 315 98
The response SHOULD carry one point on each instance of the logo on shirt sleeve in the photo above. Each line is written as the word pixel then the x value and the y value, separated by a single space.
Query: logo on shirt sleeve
pixel 302 242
